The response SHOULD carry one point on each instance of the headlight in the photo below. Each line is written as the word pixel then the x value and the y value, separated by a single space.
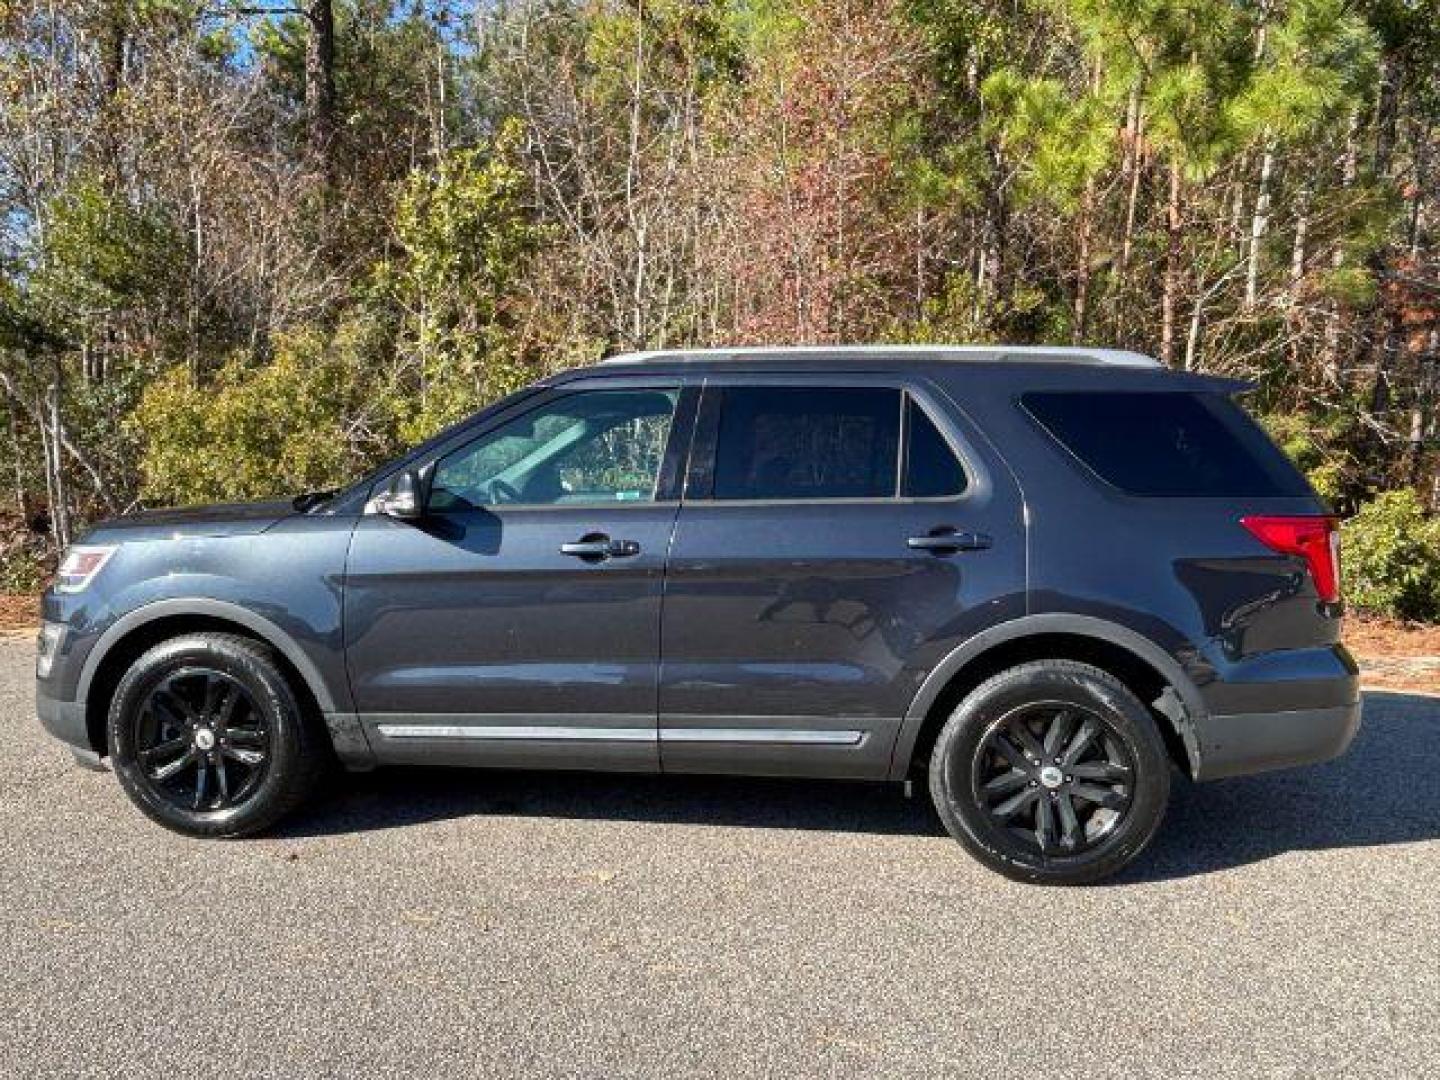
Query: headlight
pixel 81 563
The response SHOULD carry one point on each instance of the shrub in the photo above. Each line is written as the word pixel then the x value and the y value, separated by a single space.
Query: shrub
pixel 254 431
pixel 1315 451
pixel 1392 557
pixel 25 560
pixel 24 570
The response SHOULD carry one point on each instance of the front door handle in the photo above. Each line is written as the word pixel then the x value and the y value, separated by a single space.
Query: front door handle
pixel 598 546
pixel 946 539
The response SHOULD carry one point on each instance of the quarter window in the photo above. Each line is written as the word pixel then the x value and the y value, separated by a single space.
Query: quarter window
pixel 592 447
pixel 1167 443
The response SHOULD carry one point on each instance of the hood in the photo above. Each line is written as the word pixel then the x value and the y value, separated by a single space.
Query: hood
pixel 229 519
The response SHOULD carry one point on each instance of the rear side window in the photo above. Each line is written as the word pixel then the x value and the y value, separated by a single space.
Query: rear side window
pixel 807 443
pixel 1167 443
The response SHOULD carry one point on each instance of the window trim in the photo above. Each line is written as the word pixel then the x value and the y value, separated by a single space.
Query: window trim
pixel 672 457
pixel 700 471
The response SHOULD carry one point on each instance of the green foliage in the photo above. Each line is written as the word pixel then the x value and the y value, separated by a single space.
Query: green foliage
pixel 253 431
pixel 100 256
pixel 1316 56
pixel 462 233
pixel 1313 449
pixel 954 314
pixel 1392 557
pixel 1060 141
pixel 24 568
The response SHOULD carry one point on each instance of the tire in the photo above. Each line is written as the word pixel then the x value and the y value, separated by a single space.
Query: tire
pixel 1011 759
pixel 207 738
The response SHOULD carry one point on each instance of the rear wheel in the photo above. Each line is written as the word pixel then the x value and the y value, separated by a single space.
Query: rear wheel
pixel 1052 772
pixel 207 738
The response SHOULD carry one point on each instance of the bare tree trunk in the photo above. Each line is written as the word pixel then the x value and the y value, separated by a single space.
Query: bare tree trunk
pixel 982 279
pixel 197 262
pixel 37 410
pixel 1330 351
pixel 1258 223
pixel 60 506
pixel 437 122
pixel 1130 179
pixel 1391 345
pixel 48 471
pixel 1170 294
pixel 1422 417
pixel 1387 112
pixel 993 247
pixel 919 262
pixel 1082 264
pixel 320 84
pixel 113 36
pixel 1297 249
pixel 20 501
pixel 1418 190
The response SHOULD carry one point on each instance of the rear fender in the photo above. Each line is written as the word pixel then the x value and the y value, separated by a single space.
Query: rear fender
pixel 1182 706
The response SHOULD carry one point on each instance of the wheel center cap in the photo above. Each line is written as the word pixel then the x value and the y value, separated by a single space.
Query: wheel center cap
pixel 1051 777
pixel 204 738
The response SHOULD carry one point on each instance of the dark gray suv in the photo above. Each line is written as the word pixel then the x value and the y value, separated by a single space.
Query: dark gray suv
pixel 1040 578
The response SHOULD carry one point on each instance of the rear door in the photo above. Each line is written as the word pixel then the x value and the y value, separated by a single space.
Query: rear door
pixel 838 535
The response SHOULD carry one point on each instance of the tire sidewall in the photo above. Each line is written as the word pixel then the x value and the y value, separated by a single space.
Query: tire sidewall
pixel 1073 684
pixel 271 695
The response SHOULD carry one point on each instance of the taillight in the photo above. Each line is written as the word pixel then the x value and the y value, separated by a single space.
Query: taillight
pixel 1315 539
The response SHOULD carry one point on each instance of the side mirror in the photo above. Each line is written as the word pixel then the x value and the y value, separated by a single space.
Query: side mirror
pixel 402 501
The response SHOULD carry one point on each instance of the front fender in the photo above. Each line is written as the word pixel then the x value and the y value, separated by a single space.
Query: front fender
pixel 208 607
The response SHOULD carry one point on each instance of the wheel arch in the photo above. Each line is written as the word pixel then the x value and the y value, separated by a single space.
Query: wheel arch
pixel 1154 675
pixel 125 640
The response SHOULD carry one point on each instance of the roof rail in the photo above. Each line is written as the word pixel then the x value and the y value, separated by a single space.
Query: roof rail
pixel 1071 353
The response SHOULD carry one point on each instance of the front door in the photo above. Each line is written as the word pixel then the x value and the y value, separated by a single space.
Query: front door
pixel 517 622
pixel 838 537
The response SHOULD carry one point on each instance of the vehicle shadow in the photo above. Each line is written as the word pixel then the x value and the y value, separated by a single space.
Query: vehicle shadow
pixel 397 797
pixel 1385 790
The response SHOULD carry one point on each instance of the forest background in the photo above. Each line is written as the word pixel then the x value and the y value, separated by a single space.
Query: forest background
pixel 249 248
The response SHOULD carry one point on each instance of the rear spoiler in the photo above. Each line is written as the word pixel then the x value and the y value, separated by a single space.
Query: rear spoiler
pixel 1220 385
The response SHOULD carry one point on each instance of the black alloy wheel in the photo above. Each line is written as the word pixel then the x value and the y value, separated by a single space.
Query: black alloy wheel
pixel 201 742
pixel 1053 772
pixel 207 737
pixel 1057 776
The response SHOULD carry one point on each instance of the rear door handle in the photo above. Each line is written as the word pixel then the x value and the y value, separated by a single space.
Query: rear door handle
pixel 599 546
pixel 944 540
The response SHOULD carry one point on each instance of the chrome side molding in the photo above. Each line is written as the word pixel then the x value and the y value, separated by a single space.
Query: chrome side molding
pixel 487 731
pixel 577 733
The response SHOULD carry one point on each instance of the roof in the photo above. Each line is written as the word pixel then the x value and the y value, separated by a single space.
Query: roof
pixel 910 353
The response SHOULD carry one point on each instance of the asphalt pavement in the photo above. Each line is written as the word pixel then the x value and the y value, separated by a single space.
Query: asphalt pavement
pixel 489 924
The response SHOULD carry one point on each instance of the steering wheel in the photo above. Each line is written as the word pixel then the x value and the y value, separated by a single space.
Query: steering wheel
pixel 502 491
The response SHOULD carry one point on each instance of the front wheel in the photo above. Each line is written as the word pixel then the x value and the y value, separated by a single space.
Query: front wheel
pixel 1051 772
pixel 206 737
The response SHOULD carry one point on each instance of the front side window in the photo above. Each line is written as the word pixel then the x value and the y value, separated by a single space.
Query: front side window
pixel 598 446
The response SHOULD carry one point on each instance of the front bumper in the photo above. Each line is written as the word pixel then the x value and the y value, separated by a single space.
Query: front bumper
pixel 1242 743
pixel 66 721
